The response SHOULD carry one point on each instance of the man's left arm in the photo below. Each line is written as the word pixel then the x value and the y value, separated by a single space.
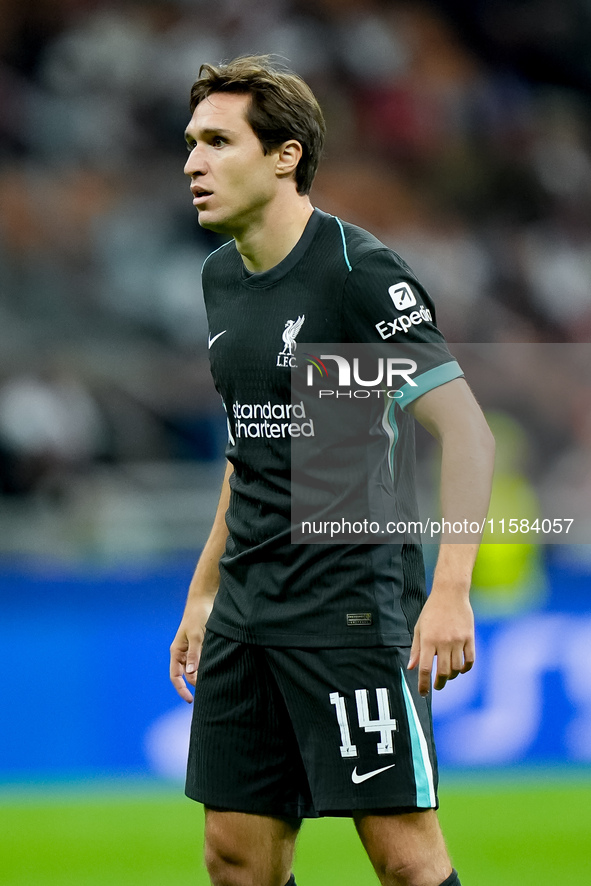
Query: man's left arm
pixel 445 628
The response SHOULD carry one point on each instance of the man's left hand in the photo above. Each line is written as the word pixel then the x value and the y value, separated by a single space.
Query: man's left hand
pixel 445 629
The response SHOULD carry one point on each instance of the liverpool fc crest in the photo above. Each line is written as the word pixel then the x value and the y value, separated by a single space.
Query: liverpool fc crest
pixel 286 357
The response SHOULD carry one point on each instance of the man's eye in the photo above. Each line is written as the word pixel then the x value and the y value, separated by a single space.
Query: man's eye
pixel 217 140
pixel 189 146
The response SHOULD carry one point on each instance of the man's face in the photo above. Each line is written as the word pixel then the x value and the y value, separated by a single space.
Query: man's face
pixel 232 180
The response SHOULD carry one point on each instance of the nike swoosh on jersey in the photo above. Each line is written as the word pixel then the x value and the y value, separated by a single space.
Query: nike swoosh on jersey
pixel 357 779
pixel 211 340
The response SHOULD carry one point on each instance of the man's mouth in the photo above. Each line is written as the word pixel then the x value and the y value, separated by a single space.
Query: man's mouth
pixel 200 195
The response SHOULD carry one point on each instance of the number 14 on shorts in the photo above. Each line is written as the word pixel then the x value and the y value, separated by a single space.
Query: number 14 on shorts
pixel 385 723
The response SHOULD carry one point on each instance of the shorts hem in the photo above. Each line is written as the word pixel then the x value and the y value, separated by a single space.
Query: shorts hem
pixel 327 809
pixel 289 811
pixel 330 810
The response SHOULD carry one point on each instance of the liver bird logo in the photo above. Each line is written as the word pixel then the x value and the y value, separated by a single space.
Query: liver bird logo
pixel 289 335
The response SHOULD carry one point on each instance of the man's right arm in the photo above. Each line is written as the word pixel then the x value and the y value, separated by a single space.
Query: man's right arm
pixel 186 646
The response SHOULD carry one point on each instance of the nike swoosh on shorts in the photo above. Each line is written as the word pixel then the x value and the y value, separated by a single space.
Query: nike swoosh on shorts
pixel 357 779
pixel 211 340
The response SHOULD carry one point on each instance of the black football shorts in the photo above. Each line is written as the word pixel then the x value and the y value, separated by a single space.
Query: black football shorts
pixel 300 733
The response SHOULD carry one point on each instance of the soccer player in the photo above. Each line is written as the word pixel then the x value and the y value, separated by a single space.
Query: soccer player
pixel 313 671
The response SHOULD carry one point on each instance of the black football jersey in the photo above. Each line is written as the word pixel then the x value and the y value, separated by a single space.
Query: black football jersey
pixel 339 284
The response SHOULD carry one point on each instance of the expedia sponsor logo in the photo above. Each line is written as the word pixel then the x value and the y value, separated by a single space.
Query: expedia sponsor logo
pixel 388 328
pixel 402 296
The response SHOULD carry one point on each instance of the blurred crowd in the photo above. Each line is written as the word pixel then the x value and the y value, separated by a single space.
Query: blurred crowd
pixel 476 169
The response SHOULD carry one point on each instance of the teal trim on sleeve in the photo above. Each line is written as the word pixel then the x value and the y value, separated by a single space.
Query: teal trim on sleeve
pixel 345 253
pixel 423 770
pixel 433 378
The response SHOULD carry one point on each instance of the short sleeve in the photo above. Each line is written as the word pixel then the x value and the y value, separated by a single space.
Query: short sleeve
pixel 384 303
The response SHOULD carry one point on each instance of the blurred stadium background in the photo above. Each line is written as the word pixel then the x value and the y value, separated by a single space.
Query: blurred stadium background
pixel 460 133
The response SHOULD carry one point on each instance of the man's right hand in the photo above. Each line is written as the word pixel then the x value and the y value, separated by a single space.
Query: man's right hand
pixel 185 650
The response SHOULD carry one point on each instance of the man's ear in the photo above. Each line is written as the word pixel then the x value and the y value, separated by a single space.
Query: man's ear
pixel 288 157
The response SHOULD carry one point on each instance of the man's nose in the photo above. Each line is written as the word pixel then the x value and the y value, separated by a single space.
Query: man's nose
pixel 195 164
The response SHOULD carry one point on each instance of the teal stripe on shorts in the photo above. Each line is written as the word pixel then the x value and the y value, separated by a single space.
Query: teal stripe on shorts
pixel 423 769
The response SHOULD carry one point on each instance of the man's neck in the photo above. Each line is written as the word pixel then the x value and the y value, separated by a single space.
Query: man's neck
pixel 266 244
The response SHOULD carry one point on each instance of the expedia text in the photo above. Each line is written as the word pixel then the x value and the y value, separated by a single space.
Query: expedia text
pixel 388 328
